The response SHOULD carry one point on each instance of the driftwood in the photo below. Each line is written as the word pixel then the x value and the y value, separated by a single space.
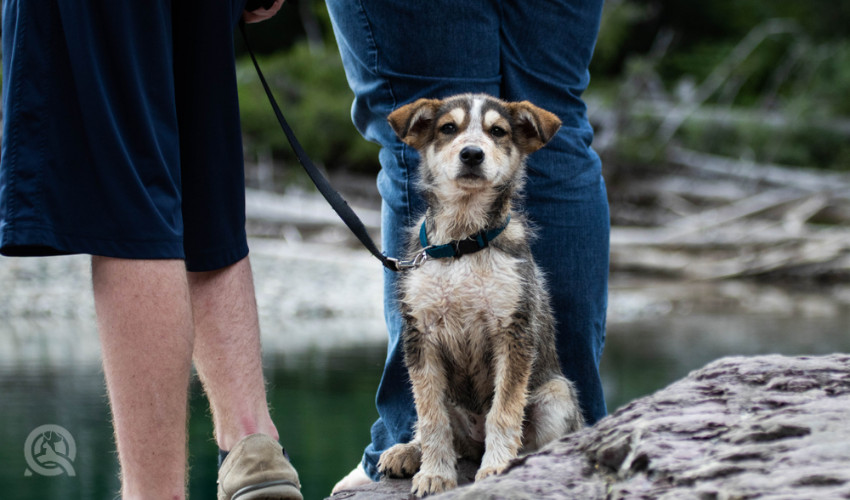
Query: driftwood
pixel 701 216
pixel 696 215
pixel 725 218
pixel 661 107
pixel 714 218
pixel 302 217
pixel 799 178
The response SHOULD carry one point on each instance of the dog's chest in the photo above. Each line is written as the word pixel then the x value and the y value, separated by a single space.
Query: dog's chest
pixel 463 296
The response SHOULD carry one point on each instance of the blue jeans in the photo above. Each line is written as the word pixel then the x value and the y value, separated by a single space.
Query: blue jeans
pixel 395 52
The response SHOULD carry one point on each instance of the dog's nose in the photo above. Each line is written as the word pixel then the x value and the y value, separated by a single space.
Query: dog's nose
pixel 472 155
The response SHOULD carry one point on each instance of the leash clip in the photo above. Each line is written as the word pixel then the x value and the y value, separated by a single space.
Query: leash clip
pixel 405 265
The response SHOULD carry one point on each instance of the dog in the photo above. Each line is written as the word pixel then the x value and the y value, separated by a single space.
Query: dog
pixel 479 333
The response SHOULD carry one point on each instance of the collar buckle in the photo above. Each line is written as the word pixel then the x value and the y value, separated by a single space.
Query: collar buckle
pixel 470 245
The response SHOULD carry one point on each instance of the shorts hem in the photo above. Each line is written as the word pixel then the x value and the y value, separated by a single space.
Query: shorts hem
pixel 42 243
pixel 216 259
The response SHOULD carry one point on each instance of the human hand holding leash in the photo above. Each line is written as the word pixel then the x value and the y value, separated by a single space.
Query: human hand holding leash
pixel 260 10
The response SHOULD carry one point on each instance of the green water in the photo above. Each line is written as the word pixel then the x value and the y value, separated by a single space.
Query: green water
pixel 322 405
pixel 323 401
pixel 644 356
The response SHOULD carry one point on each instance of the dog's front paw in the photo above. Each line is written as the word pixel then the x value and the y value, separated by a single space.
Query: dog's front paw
pixel 402 460
pixel 429 484
pixel 489 471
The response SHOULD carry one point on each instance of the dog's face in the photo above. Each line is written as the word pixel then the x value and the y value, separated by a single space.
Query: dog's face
pixel 473 141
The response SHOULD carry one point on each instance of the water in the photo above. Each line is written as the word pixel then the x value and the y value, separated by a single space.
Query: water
pixel 646 355
pixel 322 400
pixel 322 405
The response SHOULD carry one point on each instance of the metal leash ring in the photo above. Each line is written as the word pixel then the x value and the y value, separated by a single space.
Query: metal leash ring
pixel 418 260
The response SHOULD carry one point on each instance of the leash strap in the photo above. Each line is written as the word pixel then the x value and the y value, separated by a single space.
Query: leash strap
pixel 333 197
pixel 459 248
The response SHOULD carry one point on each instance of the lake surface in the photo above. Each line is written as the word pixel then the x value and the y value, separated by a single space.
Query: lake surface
pixel 322 400
pixel 322 405
pixel 646 355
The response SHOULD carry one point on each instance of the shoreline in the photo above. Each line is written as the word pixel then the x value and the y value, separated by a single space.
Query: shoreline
pixel 47 309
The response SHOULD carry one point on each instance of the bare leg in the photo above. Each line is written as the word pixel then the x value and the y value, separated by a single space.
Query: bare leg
pixel 145 324
pixel 227 352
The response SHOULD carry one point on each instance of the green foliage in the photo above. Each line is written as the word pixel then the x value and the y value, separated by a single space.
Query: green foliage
pixel 311 89
pixel 300 60
pixel 763 58
pixel 802 145
pixel 647 50
pixel 825 81
pixel 620 20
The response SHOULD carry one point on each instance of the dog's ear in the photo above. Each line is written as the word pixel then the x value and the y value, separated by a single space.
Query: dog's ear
pixel 533 126
pixel 412 122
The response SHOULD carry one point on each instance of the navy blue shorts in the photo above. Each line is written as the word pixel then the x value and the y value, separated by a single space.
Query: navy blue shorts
pixel 121 131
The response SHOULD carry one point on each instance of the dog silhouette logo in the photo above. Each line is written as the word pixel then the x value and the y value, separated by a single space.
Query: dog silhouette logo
pixel 50 450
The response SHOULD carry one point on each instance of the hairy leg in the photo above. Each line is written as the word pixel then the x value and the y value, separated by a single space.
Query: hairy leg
pixel 503 425
pixel 145 324
pixel 553 411
pixel 437 472
pixel 227 352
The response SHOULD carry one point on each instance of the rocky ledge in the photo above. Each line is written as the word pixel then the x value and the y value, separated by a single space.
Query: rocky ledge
pixel 768 427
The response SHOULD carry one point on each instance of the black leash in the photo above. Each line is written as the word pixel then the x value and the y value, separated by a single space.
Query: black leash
pixel 333 197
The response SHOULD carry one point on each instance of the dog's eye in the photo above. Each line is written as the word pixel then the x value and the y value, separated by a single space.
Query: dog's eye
pixel 448 128
pixel 498 132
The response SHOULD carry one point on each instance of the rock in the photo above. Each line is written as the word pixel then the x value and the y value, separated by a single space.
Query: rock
pixel 394 489
pixel 768 427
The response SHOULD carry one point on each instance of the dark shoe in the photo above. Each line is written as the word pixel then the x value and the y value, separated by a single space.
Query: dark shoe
pixel 256 469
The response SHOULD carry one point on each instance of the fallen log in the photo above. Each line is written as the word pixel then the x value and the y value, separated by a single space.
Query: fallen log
pixel 745 250
pixel 836 184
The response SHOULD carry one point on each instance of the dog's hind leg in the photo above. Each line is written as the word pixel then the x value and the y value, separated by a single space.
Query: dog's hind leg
pixel 552 412
pixel 468 428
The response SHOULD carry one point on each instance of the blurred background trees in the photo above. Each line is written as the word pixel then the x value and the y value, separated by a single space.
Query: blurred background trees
pixel 298 54
pixel 723 128
pixel 762 80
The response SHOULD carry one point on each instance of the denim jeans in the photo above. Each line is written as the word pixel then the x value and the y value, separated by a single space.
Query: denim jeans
pixel 395 52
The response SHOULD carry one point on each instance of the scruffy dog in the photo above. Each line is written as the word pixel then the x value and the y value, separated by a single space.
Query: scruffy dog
pixel 479 339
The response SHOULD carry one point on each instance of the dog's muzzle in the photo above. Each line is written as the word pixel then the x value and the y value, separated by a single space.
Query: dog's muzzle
pixel 471 158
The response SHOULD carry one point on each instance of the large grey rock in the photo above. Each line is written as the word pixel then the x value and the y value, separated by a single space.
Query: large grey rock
pixel 769 427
